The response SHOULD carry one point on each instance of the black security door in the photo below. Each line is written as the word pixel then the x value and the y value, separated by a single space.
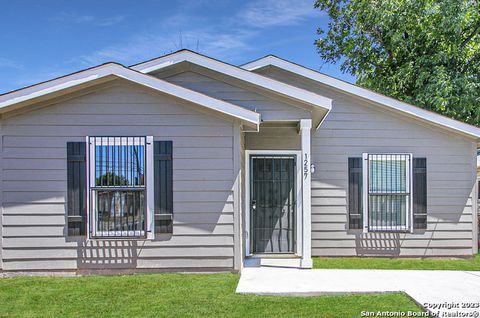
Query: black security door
pixel 272 203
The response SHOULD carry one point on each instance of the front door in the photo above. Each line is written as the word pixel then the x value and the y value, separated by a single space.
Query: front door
pixel 272 203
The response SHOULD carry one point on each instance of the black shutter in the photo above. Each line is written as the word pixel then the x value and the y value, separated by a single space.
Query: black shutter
pixel 163 179
pixel 76 188
pixel 419 193
pixel 355 199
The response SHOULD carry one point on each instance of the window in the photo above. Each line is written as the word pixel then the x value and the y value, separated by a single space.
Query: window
pixel 119 170
pixel 119 187
pixel 387 201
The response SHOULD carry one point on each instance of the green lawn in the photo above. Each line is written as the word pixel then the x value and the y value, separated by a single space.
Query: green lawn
pixel 173 295
pixel 472 264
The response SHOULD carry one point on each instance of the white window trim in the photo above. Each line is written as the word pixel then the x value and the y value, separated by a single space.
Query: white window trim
pixel 365 186
pixel 149 193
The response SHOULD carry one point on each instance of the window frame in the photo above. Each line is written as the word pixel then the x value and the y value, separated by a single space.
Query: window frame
pixel 366 194
pixel 148 188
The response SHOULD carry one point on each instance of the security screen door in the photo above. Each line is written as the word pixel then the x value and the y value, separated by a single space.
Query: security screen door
pixel 272 203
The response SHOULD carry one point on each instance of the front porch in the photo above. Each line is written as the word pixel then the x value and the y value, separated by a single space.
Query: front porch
pixel 277 190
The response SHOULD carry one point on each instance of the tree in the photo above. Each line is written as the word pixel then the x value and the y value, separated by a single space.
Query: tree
pixel 424 52
pixel 110 179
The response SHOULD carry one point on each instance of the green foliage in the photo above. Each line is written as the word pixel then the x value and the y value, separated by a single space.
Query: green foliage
pixel 173 295
pixel 424 52
pixel 397 263
pixel 111 178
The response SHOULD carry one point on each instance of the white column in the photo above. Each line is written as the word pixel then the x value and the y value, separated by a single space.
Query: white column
pixel 305 128
pixel 237 199
pixel 150 189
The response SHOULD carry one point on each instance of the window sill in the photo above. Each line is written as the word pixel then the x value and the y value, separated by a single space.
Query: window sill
pixel 103 239
pixel 119 235
pixel 384 230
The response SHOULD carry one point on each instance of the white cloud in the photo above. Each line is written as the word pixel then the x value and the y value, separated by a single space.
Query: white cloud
pixel 225 37
pixel 267 13
pixel 88 19
pixel 194 4
pixel 210 41
pixel 7 63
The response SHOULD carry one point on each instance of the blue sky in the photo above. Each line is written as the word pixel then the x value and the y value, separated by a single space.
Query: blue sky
pixel 44 39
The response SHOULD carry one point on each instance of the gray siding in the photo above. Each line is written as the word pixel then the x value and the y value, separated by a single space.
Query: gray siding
pixel 274 138
pixel 355 126
pixel 34 183
pixel 1 200
pixel 269 108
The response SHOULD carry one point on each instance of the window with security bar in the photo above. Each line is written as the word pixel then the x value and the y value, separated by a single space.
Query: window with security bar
pixel 387 178
pixel 118 187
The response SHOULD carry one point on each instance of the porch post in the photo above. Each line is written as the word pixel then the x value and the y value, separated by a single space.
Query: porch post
pixel 237 200
pixel 305 128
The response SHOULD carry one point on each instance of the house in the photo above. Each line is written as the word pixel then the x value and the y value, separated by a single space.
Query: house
pixel 478 162
pixel 185 162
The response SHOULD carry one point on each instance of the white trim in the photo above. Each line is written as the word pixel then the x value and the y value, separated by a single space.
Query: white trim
pixel 100 141
pixel 112 70
pixel 365 191
pixel 237 198
pixel 91 223
pixel 148 188
pixel 235 72
pixel 90 170
pixel 149 185
pixel 305 128
pixel 409 187
pixel 105 235
pixel 247 203
pixel 299 206
pixel 410 190
pixel 409 109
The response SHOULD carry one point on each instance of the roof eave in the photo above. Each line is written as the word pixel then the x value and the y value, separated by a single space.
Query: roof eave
pixel 277 87
pixel 408 109
pixel 106 72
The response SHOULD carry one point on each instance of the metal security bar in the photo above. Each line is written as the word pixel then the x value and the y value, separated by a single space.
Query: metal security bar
pixel 389 192
pixel 117 187
pixel 273 203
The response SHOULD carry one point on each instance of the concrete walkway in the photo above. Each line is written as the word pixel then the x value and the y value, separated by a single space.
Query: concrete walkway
pixel 429 288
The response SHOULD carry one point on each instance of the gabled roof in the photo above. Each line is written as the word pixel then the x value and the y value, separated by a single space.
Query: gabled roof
pixel 410 110
pixel 236 72
pixel 111 71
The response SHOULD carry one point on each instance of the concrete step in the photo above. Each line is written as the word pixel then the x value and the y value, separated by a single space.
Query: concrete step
pixel 289 262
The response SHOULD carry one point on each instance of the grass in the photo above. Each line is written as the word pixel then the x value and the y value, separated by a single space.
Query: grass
pixel 173 295
pixel 472 264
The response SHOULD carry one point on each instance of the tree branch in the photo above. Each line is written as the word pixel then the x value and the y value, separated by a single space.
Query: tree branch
pixel 378 35
pixel 470 62
pixel 468 38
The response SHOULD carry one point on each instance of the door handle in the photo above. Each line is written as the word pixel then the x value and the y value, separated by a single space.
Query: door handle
pixel 254 205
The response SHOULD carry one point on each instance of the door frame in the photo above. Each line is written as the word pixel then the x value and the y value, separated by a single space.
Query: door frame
pixel 299 205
